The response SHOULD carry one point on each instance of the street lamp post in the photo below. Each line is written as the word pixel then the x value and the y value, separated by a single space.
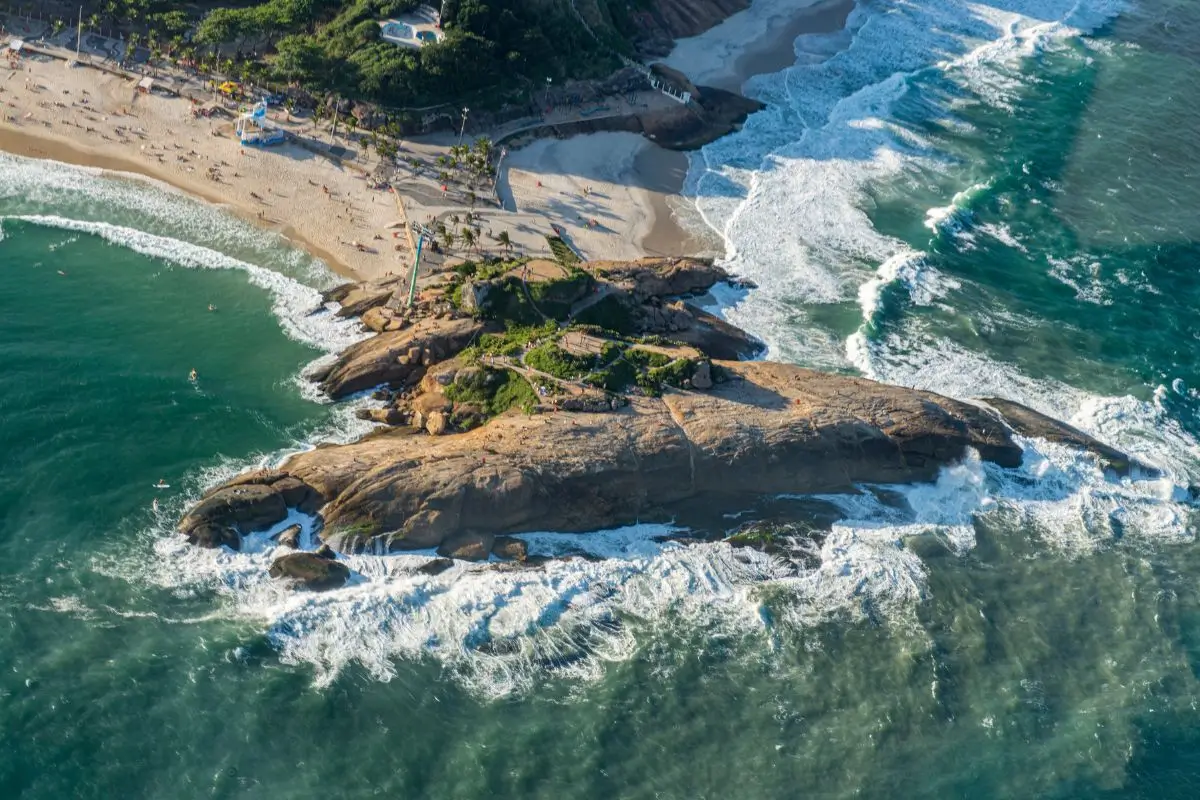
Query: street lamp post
pixel 463 129
pixel 548 82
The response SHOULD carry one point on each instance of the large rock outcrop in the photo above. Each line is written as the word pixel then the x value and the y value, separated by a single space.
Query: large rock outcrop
pixel 224 515
pixel 1033 424
pixel 645 278
pixel 397 357
pixel 251 502
pixel 777 429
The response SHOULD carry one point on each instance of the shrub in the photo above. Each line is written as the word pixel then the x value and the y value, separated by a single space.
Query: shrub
pixel 553 360
pixel 609 314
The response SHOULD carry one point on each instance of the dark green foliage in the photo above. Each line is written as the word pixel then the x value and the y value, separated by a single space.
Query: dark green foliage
pixel 673 373
pixel 515 392
pixel 493 392
pixel 555 298
pixel 614 377
pixel 609 314
pixel 553 360
pixel 492 52
pixel 562 253
pixel 507 302
pixel 511 343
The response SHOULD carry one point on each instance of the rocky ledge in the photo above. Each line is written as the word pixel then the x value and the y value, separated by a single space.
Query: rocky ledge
pixel 555 396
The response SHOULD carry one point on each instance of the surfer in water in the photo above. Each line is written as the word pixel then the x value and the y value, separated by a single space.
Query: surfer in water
pixel 211 307
pixel 192 376
pixel 161 485
pixel 154 505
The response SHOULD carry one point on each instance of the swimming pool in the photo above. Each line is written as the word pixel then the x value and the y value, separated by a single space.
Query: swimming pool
pixel 427 36
pixel 397 30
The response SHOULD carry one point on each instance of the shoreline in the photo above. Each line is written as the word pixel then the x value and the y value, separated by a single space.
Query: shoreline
pixel 758 40
pixel 64 151
pixel 617 196
pixel 326 205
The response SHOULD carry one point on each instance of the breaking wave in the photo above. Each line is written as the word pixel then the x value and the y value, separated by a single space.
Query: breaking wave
pixel 298 307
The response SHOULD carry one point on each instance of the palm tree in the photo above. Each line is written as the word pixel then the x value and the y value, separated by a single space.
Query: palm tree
pixel 447 237
pixel 505 241
pixel 468 238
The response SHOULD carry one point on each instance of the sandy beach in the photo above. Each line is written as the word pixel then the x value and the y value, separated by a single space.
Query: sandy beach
pixel 612 195
pixel 757 41
pixel 602 190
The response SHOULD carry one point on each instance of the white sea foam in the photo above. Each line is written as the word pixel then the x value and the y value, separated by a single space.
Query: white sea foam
pixel 500 629
pixel 298 307
pixel 788 192
pixel 791 214
pixel 49 188
pixel 1004 235
pixel 910 272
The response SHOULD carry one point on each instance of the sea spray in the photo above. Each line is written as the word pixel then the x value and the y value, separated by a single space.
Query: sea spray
pixel 788 192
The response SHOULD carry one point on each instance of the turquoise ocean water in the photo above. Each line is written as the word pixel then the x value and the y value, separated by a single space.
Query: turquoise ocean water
pixel 983 199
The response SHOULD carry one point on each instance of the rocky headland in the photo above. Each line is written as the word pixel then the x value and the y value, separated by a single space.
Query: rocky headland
pixel 545 395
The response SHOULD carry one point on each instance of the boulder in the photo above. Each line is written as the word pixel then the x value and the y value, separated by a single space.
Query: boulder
pixel 1035 425
pixel 211 536
pixel 290 537
pixel 436 423
pixel 377 319
pixel 361 299
pixel 310 571
pixel 338 293
pixel 647 278
pixel 702 377
pixel 389 415
pixel 298 494
pixel 510 548
pixel 435 567
pixel 588 402
pixel 248 507
pixel 377 360
pixel 467 546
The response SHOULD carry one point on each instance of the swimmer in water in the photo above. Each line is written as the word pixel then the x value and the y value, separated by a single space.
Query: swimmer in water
pixel 211 307
pixel 192 376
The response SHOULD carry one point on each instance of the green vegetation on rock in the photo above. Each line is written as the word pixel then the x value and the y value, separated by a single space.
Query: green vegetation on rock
pixel 553 360
pixel 611 313
pixel 555 298
pixel 492 391
pixel 562 252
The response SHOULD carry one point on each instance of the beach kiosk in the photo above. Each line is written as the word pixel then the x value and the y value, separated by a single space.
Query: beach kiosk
pixel 145 85
pixel 253 129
